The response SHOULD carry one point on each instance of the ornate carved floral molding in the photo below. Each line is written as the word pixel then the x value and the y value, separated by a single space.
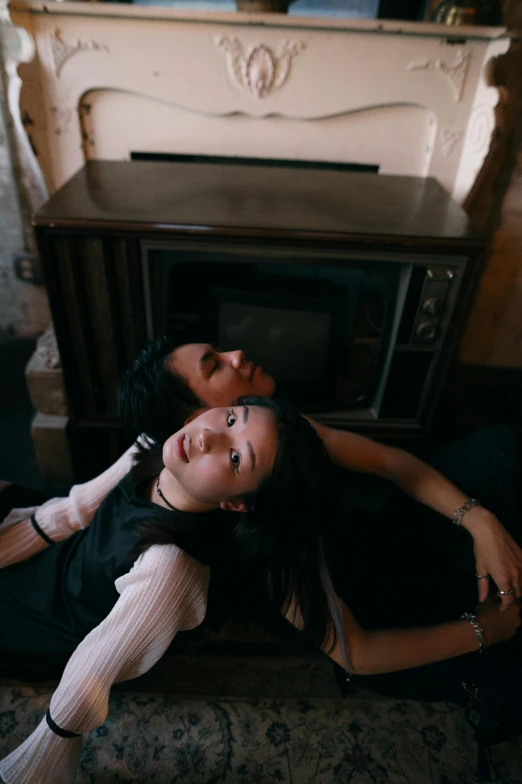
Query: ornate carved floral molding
pixel 448 140
pixel 62 120
pixel 260 71
pixel 63 51
pixel 455 71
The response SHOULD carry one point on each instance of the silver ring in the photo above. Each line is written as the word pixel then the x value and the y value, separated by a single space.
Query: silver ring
pixel 506 593
pixel 482 576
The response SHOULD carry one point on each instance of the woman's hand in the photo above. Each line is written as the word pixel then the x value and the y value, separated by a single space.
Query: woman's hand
pixel 498 626
pixel 497 556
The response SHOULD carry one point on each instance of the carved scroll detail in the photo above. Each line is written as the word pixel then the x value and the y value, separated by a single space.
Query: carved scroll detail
pixel 455 71
pixel 63 51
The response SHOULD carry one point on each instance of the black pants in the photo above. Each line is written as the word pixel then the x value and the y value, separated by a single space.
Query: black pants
pixel 426 571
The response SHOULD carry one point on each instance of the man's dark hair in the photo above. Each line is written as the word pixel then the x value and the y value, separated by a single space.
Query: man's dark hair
pixel 151 397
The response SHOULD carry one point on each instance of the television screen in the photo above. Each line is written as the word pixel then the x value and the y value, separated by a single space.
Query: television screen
pixel 291 345
pixel 322 330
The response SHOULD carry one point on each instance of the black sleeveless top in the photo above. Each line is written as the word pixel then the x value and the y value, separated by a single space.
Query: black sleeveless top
pixel 54 599
pixel 394 561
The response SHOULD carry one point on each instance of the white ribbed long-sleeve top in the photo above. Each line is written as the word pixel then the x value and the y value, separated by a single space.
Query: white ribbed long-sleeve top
pixel 163 593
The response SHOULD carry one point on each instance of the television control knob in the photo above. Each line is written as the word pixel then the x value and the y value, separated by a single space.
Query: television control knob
pixel 427 331
pixel 433 306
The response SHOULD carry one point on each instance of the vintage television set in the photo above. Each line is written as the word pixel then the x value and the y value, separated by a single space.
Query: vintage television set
pixel 351 288
pixel 354 338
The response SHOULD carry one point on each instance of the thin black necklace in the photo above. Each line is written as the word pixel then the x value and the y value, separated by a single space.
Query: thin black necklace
pixel 158 489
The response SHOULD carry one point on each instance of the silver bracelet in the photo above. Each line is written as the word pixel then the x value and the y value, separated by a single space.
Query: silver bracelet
pixel 477 628
pixel 459 513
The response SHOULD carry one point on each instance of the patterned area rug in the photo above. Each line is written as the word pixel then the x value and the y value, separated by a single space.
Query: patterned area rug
pixel 170 738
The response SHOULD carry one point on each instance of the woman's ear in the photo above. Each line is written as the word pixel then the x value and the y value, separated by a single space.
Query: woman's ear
pixel 195 415
pixel 234 505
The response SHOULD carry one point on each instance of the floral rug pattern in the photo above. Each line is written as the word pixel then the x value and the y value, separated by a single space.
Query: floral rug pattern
pixel 172 739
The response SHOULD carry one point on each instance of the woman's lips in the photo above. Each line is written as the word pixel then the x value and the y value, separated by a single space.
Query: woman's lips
pixel 180 449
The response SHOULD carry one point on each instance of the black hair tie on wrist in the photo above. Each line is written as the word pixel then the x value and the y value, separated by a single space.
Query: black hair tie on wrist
pixel 39 531
pixel 58 730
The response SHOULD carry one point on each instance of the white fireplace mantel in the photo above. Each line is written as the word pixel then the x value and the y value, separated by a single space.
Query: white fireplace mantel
pixel 101 80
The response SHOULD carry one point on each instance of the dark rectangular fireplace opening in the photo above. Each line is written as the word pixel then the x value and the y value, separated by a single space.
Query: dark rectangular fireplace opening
pixel 286 163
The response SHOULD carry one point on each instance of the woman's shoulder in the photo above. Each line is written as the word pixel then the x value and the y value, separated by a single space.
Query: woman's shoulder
pixel 161 560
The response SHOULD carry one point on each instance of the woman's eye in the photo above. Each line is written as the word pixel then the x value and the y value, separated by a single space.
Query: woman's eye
pixel 231 419
pixel 236 459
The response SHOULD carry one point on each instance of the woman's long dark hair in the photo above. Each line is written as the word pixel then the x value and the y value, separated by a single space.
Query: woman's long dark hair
pixel 276 548
pixel 282 537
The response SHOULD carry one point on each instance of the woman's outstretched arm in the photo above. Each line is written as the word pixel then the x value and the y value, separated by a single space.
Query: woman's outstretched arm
pixel 164 593
pixel 389 650
pixel 58 518
pixel 496 552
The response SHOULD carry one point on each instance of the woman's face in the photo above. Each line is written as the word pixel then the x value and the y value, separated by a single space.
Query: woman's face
pixel 221 455
pixel 218 378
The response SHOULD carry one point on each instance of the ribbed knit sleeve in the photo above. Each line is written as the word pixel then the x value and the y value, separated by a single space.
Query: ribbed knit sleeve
pixel 58 518
pixel 165 592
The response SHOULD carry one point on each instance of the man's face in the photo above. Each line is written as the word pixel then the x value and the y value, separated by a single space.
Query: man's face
pixel 218 378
